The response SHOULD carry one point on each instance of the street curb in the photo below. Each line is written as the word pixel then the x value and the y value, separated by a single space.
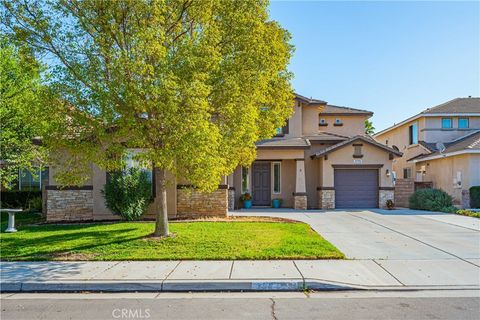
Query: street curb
pixel 173 286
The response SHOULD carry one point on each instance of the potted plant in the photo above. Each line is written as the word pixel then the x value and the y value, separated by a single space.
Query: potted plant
pixel 276 203
pixel 390 204
pixel 246 198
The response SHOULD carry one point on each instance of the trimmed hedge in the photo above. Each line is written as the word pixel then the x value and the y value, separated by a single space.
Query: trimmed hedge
pixel 475 197
pixel 27 200
pixel 431 200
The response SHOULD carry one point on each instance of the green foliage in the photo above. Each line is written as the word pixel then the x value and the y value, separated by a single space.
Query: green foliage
pixel 475 197
pixel 193 241
pixel 193 83
pixel 449 209
pixel 20 109
pixel 128 193
pixel 468 213
pixel 369 128
pixel 430 199
pixel 245 197
pixel 27 200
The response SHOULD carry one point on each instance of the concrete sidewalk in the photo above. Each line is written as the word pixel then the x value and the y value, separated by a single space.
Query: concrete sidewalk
pixel 276 275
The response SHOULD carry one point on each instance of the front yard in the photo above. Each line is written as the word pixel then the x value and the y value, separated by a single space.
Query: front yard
pixel 200 240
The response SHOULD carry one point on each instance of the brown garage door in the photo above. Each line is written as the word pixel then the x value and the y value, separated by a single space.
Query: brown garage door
pixel 356 188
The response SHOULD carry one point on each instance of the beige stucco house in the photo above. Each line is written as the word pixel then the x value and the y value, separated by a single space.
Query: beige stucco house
pixel 441 146
pixel 321 158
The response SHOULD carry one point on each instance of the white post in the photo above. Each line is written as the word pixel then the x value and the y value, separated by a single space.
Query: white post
pixel 300 177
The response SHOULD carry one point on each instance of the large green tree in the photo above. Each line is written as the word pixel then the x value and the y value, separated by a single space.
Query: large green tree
pixel 20 96
pixel 194 83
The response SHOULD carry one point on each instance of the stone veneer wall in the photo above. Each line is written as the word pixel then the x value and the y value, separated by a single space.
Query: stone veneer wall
pixel 383 196
pixel 193 203
pixel 300 202
pixel 466 199
pixel 69 204
pixel 326 199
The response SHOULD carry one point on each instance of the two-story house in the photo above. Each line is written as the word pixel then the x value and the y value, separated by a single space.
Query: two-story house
pixel 440 145
pixel 321 158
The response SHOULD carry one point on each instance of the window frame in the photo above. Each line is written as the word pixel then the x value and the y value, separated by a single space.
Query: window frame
pixel 407 170
pixel 413 134
pixel 451 123
pixel 279 164
pixel 468 123
pixel 247 169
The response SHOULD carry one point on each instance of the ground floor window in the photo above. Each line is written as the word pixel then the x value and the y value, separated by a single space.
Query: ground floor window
pixel 32 180
pixel 277 177
pixel 407 173
pixel 245 180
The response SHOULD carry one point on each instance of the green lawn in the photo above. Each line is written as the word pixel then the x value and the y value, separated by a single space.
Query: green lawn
pixel 193 240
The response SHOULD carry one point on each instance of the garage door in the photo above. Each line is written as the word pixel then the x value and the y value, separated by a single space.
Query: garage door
pixel 356 188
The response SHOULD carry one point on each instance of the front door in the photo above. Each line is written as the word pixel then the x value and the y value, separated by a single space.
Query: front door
pixel 261 183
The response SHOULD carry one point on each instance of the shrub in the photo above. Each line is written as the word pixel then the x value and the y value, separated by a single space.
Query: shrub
pixel 128 193
pixel 450 209
pixel 430 199
pixel 468 213
pixel 27 200
pixel 475 197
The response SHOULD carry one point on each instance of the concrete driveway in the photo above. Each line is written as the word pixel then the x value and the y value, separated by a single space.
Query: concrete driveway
pixel 416 247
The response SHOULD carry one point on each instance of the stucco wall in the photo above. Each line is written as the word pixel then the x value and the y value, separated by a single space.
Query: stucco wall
pixel 444 135
pixel 276 154
pixel 351 125
pixel 310 119
pixel 313 174
pixel 371 155
pixel 443 171
pixel 295 122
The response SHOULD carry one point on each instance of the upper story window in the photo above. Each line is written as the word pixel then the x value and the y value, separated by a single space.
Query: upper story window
pixel 413 133
pixel 446 123
pixel 323 122
pixel 280 132
pixel 463 123
pixel 338 122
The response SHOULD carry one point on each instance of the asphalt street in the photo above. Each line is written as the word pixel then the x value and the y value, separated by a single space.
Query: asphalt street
pixel 462 305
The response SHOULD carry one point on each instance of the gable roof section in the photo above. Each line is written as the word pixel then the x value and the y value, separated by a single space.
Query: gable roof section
pixel 458 106
pixel 469 143
pixel 309 101
pixel 344 111
pixel 325 136
pixel 353 139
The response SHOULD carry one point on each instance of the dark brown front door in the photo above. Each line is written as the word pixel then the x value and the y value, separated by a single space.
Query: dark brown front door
pixel 261 183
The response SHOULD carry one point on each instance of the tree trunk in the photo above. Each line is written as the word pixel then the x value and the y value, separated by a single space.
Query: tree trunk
pixel 161 213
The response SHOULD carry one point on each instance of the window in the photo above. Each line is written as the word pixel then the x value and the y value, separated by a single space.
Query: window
pixel 245 180
pixel 277 177
pixel 446 123
pixel 338 122
pixel 283 130
pixel 407 173
pixel 463 123
pixel 386 142
pixel 31 181
pixel 131 162
pixel 323 122
pixel 357 150
pixel 413 133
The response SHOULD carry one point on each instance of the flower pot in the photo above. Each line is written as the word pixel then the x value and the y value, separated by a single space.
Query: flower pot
pixel 247 204
pixel 276 203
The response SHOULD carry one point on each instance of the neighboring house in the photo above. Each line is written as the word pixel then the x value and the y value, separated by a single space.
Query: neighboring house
pixel 440 145
pixel 321 158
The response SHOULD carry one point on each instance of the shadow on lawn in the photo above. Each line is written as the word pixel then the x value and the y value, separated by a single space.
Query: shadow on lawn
pixel 56 246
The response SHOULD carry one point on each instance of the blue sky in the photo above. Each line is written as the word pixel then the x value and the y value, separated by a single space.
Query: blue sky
pixel 393 58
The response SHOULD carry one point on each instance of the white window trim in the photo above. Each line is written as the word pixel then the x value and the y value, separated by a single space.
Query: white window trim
pixel 273 177
pixel 248 180
pixel 338 120
pixel 323 121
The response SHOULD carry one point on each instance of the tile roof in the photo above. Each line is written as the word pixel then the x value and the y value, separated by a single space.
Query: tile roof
pixel 276 143
pixel 309 100
pixel 334 110
pixel 457 105
pixel 466 143
pixel 326 136
pixel 366 139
